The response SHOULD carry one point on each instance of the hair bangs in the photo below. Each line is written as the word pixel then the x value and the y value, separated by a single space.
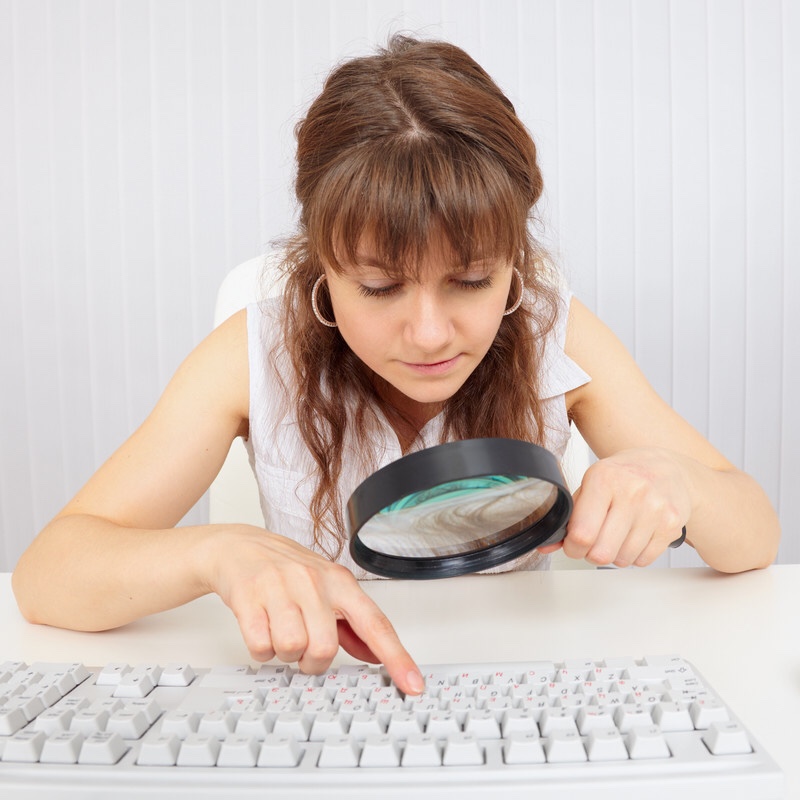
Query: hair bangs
pixel 395 202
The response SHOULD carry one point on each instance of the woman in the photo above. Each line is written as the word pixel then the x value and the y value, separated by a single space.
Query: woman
pixel 417 309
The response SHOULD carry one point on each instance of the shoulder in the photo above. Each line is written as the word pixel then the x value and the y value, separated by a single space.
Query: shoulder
pixel 217 370
pixel 594 346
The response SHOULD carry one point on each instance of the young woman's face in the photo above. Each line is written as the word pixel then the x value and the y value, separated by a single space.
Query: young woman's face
pixel 423 337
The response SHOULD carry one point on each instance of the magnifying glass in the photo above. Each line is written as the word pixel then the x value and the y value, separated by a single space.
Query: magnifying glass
pixel 457 508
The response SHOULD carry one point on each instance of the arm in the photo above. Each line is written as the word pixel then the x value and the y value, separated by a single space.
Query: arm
pixel 112 554
pixel 656 473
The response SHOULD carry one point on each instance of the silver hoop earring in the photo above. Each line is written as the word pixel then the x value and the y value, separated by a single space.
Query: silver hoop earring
pixel 516 305
pixel 315 307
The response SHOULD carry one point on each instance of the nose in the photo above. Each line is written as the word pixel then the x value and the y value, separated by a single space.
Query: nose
pixel 428 325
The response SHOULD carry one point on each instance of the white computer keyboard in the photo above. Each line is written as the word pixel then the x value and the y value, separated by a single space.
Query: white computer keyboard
pixel 650 727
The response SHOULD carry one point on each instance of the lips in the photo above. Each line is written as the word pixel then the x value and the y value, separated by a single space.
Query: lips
pixel 434 367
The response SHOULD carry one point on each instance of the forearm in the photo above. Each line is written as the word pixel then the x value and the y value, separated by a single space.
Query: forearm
pixel 87 573
pixel 733 525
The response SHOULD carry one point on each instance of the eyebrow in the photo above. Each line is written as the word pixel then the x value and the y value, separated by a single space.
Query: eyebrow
pixel 368 260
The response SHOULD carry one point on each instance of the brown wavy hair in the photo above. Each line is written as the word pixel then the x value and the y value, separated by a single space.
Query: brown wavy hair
pixel 414 141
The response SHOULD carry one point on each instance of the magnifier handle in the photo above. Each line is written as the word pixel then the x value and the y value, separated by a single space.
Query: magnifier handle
pixel 561 533
pixel 678 542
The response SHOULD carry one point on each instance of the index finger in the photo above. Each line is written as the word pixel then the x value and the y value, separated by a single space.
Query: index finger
pixel 376 631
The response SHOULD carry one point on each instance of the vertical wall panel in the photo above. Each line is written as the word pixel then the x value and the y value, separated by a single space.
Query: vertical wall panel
pixel 789 496
pixel 538 106
pixel 690 211
pixel 36 257
pixel 764 280
pixel 137 189
pixel 653 193
pixel 616 194
pixel 276 117
pixel 215 122
pixel 67 242
pixel 577 218
pixel 728 226
pixel 147 147
pixel 109 330
pixel 16 501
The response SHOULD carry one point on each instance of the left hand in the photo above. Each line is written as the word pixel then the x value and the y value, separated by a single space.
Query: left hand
pixel 629 508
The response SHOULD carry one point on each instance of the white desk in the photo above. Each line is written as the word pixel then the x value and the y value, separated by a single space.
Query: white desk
pixel 731 627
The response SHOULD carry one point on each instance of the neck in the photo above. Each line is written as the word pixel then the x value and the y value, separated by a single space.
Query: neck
pixel 406 416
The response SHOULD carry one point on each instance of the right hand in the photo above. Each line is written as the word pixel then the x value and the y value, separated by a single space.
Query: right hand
pixel 295 605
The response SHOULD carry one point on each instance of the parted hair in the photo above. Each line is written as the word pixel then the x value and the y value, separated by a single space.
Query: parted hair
pixel 412 142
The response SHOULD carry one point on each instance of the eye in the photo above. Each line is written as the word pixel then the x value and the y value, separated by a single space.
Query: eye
pixel 378 291
pixel 481 283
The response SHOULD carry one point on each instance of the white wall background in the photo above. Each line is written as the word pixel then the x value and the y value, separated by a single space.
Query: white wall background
pixel 145 149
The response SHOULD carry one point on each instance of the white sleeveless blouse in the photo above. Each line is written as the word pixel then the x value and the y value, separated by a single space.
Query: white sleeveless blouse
pixel 285 469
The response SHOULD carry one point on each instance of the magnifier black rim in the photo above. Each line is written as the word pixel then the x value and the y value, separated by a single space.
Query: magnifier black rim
pixel 460 460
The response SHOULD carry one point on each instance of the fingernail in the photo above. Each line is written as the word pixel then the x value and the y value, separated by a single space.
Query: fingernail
pixel 416 682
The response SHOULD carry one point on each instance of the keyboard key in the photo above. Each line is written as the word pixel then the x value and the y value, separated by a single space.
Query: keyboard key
pixel 594 718
pixel 217 723
pixel 564 746
pixel 519 720
pixel 421 750
pixel 24 746
pixel 198 751
pixel 238 751
pixel 62 748
pixel 30 706
pixel 365 724
pixel 483 724
pixel 135 684
pixel 704 711
pixel 89 721
pixel 339 751
pixel 254 723
pixel 102 748
pixel 629 716
pixel 403 724
pixel 159 752
pixel 53 721
pixel 557 719
pixel 292 723
pixel 111 674
pixel 523 748
pixel 462 749
pixel 647 742
pixel 441 724
pixel 12 719
pixel 727 738
pixel 380 750
pixel 176 675
pixel 129 723
pixel 279 751
pixel 180 723
pixel 329 723
pixel 606 744
pixel 671 716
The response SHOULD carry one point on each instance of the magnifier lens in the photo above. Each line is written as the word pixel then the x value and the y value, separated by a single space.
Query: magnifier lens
pixel 456 508
pixel 458 517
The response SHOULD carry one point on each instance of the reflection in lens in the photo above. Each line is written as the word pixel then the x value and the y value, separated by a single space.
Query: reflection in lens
pixel 459 517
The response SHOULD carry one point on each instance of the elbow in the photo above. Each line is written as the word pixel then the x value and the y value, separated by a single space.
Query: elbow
pixel 26 600
pixel 762 555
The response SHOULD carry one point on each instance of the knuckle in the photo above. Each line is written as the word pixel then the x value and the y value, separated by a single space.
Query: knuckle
pixel 321 651
pixel 291 643
pixel 600 556
pixel 260 652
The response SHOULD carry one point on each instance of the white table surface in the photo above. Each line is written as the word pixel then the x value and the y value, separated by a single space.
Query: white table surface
pixel 734 628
